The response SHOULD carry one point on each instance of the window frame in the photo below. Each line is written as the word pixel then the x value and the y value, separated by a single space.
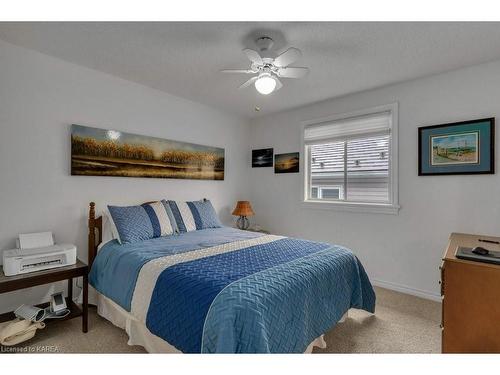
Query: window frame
pixel 369 207
pixel 324 187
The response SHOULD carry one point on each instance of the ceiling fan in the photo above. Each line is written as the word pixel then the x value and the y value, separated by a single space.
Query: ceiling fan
pixel 269 69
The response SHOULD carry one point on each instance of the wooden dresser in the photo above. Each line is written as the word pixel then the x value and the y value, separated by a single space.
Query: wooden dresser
pixel 471 299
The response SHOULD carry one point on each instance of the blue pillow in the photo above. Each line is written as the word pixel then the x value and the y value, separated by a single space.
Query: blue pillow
pixel 139 223
pixel 195 215
pixel 132 223
pixel 207 215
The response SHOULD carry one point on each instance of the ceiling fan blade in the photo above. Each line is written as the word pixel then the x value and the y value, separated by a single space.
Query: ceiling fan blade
pixel 253 56
pixel 278 84
pixel 286 58
pixel 293 72
pixel 249 82
pixel 244 71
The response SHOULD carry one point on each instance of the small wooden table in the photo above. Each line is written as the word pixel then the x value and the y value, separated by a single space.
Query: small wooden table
pixel 28 280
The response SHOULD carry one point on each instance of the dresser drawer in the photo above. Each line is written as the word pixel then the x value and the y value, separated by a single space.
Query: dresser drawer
pixel 471 308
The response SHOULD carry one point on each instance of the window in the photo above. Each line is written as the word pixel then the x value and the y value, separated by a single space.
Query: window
pixel 351 160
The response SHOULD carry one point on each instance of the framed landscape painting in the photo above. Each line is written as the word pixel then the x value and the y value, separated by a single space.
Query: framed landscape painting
pixel 101 152
pixel 286 163
pixel 262 158
pixel 466 147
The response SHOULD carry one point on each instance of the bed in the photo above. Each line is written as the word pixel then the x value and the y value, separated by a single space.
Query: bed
pixel 224 290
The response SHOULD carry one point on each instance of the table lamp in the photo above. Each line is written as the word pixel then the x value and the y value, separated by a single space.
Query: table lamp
pixel 243 209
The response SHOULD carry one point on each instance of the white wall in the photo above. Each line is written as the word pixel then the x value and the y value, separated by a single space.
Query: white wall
pixel 399 251
pixel 40 97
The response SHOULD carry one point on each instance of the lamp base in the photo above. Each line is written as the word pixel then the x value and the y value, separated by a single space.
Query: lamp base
pixel 242 223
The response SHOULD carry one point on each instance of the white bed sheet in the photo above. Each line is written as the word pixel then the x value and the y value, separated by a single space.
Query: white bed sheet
pixel 139 334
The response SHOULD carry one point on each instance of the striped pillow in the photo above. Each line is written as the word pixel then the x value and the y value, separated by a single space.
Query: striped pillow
pixel 190 216
pixel 139 223
pixel 159 214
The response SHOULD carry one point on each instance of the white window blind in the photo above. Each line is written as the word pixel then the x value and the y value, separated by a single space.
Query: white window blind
pixel 377 123
pixel 350 160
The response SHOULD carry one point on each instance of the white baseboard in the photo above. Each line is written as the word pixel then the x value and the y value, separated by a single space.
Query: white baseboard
pixel 407 290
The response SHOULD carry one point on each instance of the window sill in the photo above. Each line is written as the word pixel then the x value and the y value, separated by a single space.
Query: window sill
pixel 375 208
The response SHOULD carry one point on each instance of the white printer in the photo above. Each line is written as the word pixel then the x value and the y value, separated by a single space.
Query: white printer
pixel 36 252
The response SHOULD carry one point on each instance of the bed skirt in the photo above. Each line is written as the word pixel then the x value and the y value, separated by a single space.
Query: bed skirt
pixel 139 334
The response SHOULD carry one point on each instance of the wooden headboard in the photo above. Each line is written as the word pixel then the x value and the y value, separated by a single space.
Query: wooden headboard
pixel 95 233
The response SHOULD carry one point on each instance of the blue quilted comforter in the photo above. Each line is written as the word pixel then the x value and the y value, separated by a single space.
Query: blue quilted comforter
pixel 229 291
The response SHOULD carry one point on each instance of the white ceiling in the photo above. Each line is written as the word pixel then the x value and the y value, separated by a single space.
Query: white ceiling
pixel 184 59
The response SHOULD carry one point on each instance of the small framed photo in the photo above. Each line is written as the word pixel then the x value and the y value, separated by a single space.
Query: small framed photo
pixel 262 158
pixel 466 147
pixel 286 163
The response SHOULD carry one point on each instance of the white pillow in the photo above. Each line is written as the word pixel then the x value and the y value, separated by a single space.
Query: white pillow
pixel 109 231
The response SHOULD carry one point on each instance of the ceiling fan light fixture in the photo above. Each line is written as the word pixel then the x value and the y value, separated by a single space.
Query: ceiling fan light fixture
pixel 268 70
pixel 265 84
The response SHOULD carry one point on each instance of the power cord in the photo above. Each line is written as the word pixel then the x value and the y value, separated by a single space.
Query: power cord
pixel 79 287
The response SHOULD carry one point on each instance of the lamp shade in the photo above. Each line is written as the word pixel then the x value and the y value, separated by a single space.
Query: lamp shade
pixel 243 208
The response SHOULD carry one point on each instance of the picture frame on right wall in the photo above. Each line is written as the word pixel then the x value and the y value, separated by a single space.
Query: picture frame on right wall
pixel 458 148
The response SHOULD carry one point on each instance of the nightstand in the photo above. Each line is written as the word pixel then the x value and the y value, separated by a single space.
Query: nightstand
pixel 28 280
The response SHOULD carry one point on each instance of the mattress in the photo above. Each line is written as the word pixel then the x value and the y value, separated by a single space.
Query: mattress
pixel 229 291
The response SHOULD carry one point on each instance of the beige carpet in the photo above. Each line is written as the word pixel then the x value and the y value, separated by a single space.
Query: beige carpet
pixel 401 324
